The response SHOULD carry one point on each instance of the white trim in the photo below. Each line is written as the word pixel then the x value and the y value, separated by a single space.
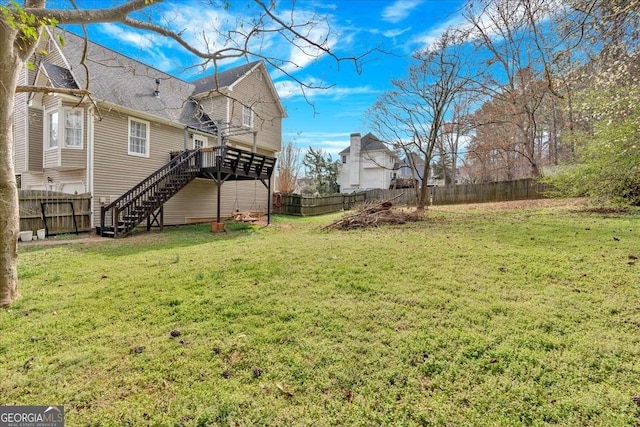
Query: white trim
pixel 269 83
pixel 244 110
pixel 55 43
pixel 90 164
pixel 64 128
pixel 109 106
pixel 147 146
pixel 47 130
pixel 64 58
pixel 27 140
pixel 204 139
pixel 244 75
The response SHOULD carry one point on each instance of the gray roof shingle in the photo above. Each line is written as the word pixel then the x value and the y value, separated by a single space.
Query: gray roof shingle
pixel 123 81
pixel 369 142
pixel 60 77
pixel 223 79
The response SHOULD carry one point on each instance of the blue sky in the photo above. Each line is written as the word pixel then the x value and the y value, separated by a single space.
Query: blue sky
pixel 395 28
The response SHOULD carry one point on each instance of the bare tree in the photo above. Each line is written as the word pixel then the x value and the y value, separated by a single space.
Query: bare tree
pixel 455 130
pixel 411 117
pixel 22 26
pixel 288 169
pixel 507 34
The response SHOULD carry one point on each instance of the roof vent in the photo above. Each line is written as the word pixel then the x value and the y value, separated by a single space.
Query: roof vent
pixel 156 92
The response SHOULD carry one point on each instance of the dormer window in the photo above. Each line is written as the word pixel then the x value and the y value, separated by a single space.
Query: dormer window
pixel 247 116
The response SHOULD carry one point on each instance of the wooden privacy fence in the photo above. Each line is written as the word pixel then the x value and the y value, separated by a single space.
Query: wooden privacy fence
pixel 295 204
pixel 57 213
pixel 522 189
pixel 502 191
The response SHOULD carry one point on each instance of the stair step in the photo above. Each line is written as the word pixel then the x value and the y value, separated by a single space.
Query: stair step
pixel 158 189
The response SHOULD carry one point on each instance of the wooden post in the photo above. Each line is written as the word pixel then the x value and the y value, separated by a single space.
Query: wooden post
pixel 269 201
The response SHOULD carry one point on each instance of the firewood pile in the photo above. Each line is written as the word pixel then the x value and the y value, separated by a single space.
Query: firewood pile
pixel 245 216
pixel 374 215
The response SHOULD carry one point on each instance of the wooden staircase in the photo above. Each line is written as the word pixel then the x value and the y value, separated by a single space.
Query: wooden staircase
pixel 145 201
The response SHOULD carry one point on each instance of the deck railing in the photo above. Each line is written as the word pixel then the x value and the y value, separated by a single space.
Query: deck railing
pixel 235 161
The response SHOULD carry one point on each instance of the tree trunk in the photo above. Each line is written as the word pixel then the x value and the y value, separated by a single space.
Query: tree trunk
pixel 9 209
pixel 423 203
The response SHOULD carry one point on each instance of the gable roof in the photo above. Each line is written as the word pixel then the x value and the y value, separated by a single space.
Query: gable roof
pixel 125 82
pixel 223 79
pixel 226 80
pixel 369 142
pixel 59 77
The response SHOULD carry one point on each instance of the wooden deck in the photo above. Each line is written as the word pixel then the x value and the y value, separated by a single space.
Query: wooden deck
pixel 229 163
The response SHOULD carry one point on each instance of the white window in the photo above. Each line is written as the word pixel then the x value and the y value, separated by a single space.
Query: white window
pixel 247 116
pixel 52 130
pixel 138 137
pixel 73 128
pixel 199 142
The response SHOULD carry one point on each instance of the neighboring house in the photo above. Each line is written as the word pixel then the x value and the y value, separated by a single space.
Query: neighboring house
pixel 411 169
pixel 136 117
pixel 366 164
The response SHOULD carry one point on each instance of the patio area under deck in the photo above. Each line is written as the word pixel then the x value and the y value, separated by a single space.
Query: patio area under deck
pixel 225 163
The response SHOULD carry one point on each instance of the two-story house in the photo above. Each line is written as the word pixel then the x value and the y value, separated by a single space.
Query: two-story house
pixel 366 164
pixel 125 139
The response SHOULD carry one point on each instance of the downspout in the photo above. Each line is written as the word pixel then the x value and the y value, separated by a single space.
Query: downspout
pixel 90 161
pixel 186 128
pixel 255 141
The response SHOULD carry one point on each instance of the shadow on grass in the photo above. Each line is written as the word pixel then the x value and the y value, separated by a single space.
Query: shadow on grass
pixel 141 240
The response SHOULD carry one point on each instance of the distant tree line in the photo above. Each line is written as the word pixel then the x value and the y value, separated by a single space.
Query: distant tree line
pixel 525 88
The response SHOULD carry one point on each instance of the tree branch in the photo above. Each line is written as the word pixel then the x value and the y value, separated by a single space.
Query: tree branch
pixel 48 89
pixel 88 16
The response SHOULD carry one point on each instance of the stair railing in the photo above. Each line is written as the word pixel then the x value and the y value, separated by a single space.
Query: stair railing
pixel 151 193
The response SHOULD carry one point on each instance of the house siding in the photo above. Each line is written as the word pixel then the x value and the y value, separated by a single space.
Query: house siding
pixel 216 107
pixel 53 55
pixel 51 157
pixel 375 171
pixel 267 118
pixel 20 127
pixel 36 135
pixel 198 200
pixel 55 180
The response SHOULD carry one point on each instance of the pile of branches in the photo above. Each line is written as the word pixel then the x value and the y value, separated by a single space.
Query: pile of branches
pixel 374 215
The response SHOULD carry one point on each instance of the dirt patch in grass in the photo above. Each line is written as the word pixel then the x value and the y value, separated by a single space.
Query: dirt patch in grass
pixel 606 210
pixel 516 204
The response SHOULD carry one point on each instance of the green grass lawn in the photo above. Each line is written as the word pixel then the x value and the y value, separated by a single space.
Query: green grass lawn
pixel 476 316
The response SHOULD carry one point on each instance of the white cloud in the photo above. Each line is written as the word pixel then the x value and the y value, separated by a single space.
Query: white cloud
pixel 329 142
pixel 144 40
pixel 395 32
pixel 399 10
pixel 288 89
pixel 214 29
pixel 428 38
